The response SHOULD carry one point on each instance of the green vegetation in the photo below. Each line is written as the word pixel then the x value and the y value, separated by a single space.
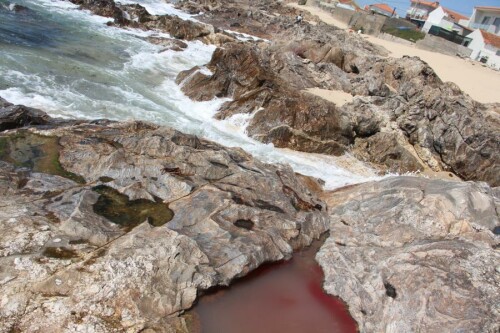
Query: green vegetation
pixel 411 35
pixel 59 253
pixel 36 152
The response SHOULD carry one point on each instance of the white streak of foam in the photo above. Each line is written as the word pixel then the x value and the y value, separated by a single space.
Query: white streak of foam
pixel 245 37
pixel 155 7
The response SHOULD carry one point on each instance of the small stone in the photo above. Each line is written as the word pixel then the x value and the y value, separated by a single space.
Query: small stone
pixel 58 282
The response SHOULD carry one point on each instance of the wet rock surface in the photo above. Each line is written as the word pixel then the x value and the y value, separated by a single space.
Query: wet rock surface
pixel 409 254
pixel 201 215
pixel 136 16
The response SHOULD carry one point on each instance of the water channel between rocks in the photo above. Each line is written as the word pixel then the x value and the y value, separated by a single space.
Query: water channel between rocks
pixel 284 297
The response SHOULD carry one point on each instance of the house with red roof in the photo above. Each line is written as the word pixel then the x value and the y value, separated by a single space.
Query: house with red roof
pixel 485 42
pixel 419 11
pixel 485 48
pixel 444 18
pixel 382 9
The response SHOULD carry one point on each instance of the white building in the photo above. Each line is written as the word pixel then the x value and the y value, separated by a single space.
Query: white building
pixel 444 18
pixel 487 19
pixel 419 11
pixel 485 48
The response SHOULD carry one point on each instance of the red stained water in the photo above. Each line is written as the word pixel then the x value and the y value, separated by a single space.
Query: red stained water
pixel 278 298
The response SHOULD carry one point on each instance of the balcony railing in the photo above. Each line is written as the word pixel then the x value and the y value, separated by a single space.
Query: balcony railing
pixel 486 27
pixel 481 26
pixel 417 14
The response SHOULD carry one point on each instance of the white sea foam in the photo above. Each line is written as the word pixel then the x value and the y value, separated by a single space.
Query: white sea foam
pixel 245 37
pixel 68 8
pixel 155 7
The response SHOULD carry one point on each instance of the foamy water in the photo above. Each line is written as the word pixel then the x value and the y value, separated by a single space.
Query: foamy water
pixel 70 64
pixel 156 7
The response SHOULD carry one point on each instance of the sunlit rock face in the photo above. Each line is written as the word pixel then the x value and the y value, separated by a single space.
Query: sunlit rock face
pixel 409 254
pixel 109 226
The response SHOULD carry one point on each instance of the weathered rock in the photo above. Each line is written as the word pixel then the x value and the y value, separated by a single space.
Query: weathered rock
pixel 73 259
pixel 409 254
pixel 283 116
pixel 168 43
pixel 179 28
pixel 435 125
pixel 15 116
pixel 106 8
pixel 4 103
pixel 384 149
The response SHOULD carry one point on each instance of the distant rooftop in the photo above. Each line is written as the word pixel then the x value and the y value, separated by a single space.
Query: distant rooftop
pixel 434 4
pixel 454 15
pixel 383 6
pixel 491 39
pixel 488 8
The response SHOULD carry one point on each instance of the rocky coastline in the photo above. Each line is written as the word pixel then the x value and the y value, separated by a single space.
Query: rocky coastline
pixel 120 226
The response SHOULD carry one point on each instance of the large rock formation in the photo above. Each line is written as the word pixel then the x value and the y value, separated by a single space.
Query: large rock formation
pixel 415 255
pixel 404 118
pixel 118 226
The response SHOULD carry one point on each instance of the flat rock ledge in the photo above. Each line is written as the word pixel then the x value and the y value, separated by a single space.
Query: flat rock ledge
pixel 205 215
pixel 410 254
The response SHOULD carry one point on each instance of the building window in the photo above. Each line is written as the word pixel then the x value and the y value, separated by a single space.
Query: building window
pixel 496 23
pixel 486 19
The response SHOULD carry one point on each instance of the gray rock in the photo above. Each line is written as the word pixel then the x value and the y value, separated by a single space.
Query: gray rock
pixel 410 254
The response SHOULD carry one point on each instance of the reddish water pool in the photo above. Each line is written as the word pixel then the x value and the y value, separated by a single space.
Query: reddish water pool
pixel 278 298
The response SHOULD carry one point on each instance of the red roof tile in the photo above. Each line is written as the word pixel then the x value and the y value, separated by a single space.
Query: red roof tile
pixel 384 7
pixel 491 39
pixel 454 15
pixel 426 3
pixel 487 8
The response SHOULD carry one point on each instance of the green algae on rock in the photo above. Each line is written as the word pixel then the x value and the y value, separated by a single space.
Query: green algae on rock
pixel 36 152
pixel 118 208
pixel 59 253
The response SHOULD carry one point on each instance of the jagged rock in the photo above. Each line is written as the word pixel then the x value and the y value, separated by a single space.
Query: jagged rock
pixel 436 126
pixel 179 28
pixel 4 103
pixel 282 116
pixel 409 254
pixel 15 116
pixel 156 217
pixel 105 8
pixel 384 149
pixel 168 43
pixel 197 6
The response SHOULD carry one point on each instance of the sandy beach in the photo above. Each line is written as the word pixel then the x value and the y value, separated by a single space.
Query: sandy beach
pixel 336 96
pixel 481 83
